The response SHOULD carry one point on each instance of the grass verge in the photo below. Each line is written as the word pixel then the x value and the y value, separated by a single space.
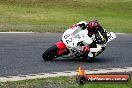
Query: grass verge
pixel 58 82
pixel 58 15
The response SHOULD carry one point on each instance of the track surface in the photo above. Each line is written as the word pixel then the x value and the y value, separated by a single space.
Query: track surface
pixel 21 54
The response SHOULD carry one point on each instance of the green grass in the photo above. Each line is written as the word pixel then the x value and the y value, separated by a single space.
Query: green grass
pixel 58 82
pixel 58 15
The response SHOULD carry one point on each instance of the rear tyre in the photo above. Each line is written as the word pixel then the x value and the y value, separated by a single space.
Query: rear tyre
pixel 50 53
pixel 90 59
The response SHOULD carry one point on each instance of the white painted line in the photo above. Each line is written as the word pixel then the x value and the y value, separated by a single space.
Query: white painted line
pixel 44 32
pixel 121 33
pixel 15 32
pixel 65 73
pixel 107 70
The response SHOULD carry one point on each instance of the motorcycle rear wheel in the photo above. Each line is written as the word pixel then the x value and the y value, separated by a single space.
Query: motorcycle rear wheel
pixel 90 59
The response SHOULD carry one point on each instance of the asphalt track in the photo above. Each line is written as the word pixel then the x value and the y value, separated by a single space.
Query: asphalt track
pixel 20 54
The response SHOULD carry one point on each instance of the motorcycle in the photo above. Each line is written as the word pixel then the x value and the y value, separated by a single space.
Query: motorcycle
pixel 70 44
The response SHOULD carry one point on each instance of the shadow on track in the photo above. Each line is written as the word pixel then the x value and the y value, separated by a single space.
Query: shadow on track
pixel 97 60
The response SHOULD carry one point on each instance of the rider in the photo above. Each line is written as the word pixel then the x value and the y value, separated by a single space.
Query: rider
pixel 97 33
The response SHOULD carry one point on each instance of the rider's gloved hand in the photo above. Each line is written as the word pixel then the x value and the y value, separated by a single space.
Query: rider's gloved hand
pixel 85 49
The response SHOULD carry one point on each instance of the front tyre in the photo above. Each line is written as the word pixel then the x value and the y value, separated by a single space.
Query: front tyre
pixel 50 53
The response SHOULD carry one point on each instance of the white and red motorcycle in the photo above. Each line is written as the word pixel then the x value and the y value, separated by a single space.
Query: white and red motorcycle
pixel 69 45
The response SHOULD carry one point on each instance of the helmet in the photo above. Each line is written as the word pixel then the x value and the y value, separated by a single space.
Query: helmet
pixel 93 25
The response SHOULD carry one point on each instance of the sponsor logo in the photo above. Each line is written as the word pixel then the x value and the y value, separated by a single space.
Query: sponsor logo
pixel 82 77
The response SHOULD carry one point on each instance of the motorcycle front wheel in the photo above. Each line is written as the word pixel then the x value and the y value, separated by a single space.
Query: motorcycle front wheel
pixel 50 53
